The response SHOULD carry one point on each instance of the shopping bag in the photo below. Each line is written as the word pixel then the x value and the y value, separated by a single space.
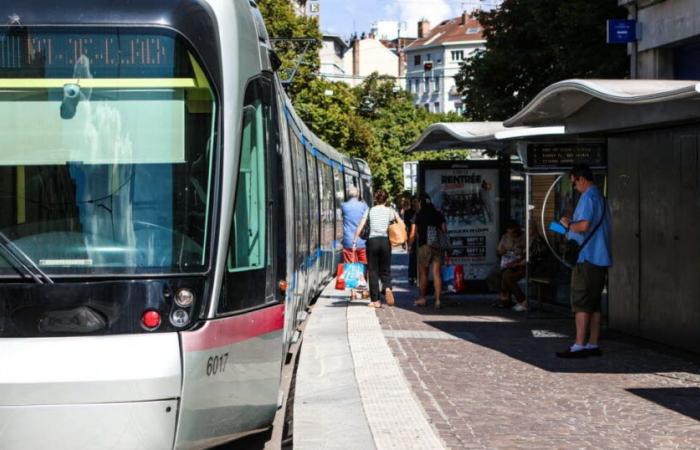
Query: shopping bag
pixel 339 280
pixel 459 278
pixel 354 275
pixel 453 278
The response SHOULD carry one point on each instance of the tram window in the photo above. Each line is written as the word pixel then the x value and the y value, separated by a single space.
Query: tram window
pixel 350 181
pixel 249 278
pixel 248 232
pixel 313 201
pixel 367 191
pixel 339 198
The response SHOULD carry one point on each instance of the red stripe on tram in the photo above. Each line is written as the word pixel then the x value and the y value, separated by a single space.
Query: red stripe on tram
pixel 230 330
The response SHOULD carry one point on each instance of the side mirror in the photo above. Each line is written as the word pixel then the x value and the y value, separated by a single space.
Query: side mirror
pixel 274 60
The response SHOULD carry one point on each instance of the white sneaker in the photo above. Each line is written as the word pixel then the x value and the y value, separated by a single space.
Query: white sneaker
pixel 519 308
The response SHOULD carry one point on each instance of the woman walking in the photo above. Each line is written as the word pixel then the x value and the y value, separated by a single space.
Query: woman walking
pixel 380 217
pixel 428 255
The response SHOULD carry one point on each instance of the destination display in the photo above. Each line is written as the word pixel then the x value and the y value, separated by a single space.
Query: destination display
pixel 565 155
pixel 109 52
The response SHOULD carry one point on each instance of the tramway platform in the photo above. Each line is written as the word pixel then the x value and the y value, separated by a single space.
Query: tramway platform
pixel 471 376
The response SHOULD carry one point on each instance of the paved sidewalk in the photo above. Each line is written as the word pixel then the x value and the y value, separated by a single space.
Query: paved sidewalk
pixel 471 376
pixel 350 391
pixel 489 379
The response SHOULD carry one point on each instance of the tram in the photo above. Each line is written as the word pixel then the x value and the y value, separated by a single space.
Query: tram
pixel 165 219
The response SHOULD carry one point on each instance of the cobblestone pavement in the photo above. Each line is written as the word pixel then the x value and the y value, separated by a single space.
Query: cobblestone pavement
pixel 488 378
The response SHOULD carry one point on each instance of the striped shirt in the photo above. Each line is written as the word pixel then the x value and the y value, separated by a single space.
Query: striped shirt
pixel 380 217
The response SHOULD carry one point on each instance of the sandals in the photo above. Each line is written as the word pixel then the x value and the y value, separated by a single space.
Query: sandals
pixel 437 305
pixel 375 305
pixel 420 302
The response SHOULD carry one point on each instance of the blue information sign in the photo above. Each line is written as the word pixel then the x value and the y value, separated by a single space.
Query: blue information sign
pixel 621 31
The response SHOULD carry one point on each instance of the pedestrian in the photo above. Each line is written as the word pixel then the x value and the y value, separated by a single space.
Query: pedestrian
pixel 409 215
pixel 590 228
pixel 511 249
pixel 353 210
pixel 380 217
pixel 428 256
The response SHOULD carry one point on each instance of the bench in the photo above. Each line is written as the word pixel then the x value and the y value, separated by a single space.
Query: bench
pixel 540 282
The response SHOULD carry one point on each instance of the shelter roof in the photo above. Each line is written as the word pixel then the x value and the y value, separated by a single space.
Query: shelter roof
pixel 596 105
pixel 476 135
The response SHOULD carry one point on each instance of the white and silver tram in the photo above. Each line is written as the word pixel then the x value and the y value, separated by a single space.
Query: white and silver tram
pixel 165 219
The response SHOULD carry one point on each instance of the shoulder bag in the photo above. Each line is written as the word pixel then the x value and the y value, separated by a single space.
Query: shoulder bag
pixel 397 233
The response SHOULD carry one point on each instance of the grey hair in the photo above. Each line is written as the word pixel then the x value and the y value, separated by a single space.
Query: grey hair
pixel 353 192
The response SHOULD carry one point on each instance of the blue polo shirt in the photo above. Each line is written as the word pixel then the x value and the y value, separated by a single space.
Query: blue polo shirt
pixel 353 210
pixel 592 207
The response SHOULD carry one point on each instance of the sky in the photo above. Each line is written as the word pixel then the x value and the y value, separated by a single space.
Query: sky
pixel 342 17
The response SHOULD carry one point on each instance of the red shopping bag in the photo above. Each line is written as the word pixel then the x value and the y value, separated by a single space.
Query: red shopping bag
pixel 459 278
pixel 339 280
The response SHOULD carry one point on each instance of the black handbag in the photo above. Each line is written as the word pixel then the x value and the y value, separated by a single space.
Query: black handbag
pixel 364 234
pixel 573 249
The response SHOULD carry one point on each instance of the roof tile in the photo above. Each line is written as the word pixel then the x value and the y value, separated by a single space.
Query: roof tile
pixel 451 30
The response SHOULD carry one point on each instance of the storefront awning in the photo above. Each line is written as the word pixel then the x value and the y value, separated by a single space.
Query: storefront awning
pixel 476 135
pixel 600 105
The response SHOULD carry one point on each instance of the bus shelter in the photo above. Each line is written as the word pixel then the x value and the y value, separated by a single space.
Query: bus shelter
pixel 546 153
pixel 651 129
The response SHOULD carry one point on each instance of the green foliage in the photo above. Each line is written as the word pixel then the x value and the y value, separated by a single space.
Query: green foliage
pixel 375 121
pixel 534 43
pixel 282 23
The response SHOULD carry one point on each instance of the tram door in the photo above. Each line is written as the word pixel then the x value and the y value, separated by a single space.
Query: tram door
pixel 232 370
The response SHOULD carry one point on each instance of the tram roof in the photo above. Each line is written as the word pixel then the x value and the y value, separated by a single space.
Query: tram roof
pixel 585 106
pixel 476 135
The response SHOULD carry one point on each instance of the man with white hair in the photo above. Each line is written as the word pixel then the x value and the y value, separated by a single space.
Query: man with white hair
pixel 353 210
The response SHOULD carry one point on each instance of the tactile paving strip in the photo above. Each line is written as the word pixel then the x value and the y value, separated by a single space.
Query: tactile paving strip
pixel 395 417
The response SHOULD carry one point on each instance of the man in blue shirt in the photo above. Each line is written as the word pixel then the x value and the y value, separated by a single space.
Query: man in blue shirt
pixel 590 227
pixel 353 210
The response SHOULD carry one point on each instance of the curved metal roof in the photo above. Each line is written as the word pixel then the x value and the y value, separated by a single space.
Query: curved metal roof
pixel 560 101
pixel 461 135
pixel 476 135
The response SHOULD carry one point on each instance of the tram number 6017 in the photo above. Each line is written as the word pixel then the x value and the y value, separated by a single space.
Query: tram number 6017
pixel 216 364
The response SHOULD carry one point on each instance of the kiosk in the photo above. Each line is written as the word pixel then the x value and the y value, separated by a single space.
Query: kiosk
pixel 652 131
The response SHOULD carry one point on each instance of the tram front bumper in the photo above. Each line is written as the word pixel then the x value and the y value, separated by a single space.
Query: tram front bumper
pixel 89 392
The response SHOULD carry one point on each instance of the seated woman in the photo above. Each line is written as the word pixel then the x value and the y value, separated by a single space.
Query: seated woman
pixel 511 249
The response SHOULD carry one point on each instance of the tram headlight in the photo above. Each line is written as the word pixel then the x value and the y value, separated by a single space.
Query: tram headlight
pixel 184 298
pixel 179 318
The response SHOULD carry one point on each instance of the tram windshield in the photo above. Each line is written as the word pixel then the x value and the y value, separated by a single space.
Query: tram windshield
pixel 106 142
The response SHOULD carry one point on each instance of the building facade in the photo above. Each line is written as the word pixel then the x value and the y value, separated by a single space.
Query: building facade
pixel 433 60
pixel 668 42
pixel 353 62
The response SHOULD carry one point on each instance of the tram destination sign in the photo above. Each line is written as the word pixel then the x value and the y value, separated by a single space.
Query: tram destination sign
pixel 565 155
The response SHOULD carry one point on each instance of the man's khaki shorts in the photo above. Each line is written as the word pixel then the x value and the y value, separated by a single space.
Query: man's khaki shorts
pixel 587 283
pixel 428 254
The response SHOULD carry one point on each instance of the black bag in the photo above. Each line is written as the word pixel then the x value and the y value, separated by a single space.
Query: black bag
pixel 573 250
pixel 364 234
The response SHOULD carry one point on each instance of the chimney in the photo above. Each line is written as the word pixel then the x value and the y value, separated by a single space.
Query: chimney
pixel 423 28
pixel 465 17
pixel 356 57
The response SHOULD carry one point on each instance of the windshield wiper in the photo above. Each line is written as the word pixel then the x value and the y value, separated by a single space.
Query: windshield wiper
pixel 22 261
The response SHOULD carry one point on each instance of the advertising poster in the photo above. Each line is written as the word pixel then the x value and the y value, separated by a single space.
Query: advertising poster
pixel 468 198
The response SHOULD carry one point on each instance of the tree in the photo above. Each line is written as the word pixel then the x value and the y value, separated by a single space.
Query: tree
pixel 375 121
pixel 285 26
pixel 534 43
